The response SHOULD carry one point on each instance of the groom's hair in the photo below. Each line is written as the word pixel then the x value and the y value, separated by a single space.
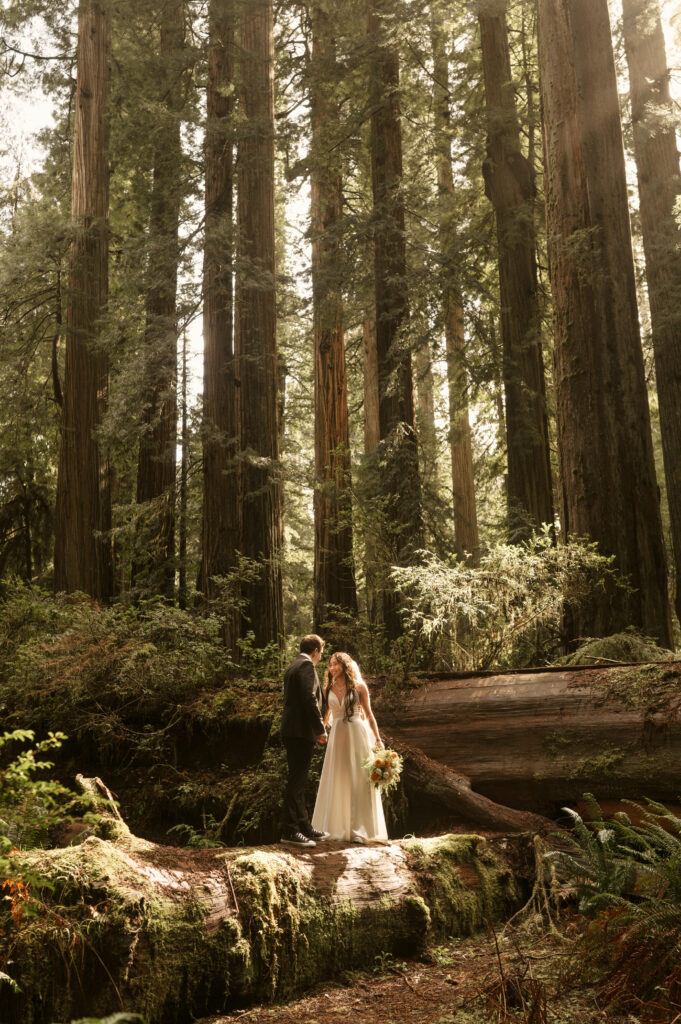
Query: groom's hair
pixel 311 643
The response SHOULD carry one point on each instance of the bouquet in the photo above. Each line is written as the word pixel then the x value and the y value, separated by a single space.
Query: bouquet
pixel 384 768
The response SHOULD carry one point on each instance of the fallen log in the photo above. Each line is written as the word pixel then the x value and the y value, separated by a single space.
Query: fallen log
pixel 123 924
pixel 430 779
pixel 538 740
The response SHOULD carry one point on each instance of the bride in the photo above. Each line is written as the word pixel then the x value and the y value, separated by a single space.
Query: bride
pixel 348 807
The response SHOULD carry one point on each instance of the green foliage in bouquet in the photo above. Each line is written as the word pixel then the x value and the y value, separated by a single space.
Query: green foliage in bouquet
pixel 384 768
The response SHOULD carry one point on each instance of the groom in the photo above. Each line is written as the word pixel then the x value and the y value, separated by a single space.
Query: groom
pixel 301 727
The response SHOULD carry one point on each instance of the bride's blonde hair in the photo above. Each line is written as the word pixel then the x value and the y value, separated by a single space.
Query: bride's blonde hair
pixel 352 677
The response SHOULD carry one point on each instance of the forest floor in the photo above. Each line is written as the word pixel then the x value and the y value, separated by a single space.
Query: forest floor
pixel 512 978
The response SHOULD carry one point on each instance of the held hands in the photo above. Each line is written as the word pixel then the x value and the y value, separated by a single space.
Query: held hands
pixel 322 738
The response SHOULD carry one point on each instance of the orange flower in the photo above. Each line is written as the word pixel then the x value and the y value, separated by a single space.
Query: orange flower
pixel 378 762
pixel 393 755
pixel 375 776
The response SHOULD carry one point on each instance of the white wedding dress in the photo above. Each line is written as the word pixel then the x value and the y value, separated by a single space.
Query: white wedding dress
pixel 348 806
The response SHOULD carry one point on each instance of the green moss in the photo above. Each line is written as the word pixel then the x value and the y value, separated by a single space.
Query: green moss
pixel 638 686
pixel 557 743
pixel 458 905
pixel 142 939
pixel 604 765
pixel 618 648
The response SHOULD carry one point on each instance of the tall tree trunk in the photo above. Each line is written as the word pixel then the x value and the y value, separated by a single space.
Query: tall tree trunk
pixel 27 485
pixel 372 437
pixel 184 476
pixel 509 184
pixel 154 562
pixel 425 417
pixel 334 578
pixel 659 186
pixel 82 557
pixel 609 490
pixel 256 344
pixel 220 487
pixel 399 461
pixel 372 431
pixel 466 536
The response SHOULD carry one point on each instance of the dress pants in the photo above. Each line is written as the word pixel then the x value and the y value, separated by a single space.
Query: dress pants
pixel 298 757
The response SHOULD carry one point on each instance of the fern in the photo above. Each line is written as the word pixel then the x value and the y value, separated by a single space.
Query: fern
pixel 636 871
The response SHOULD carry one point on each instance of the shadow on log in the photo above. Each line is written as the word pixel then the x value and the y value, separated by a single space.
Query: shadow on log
pixel 452 792
pixel 172 934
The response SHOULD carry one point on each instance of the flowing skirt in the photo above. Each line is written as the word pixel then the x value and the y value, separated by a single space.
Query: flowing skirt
pixel 348 806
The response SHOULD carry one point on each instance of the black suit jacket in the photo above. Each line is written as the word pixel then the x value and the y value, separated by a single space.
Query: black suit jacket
pixel 302 715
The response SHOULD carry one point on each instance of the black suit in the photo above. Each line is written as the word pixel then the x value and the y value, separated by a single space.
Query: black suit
pixel 301 724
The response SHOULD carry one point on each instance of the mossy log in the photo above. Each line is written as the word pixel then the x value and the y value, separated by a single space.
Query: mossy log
pixel 175 934
pixel 537 740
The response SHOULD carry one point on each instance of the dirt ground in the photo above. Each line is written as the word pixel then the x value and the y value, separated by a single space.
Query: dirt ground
pixel 456 983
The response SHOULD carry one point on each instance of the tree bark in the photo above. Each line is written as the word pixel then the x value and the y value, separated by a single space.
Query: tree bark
pixel 256 344
pixel 82 556
pixel 220 486
pixel 334 578
pixel 609 490
pixel 426 429
pixel 372 431
pixel 400 481
pixel 372 437
pixel 180 934
pixel 509 184
pixel 184 480
pixel 432 780
pixel 154 563
pixel 466 535
pixel 537 740
pixel 659 186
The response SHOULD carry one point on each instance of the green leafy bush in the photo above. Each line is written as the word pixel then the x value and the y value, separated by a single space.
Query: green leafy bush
pixel 30 805
pixel 505 611
pixel 66 658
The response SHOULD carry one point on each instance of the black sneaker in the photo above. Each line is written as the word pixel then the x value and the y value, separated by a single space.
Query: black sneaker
pixel 313 833
pixel 297 839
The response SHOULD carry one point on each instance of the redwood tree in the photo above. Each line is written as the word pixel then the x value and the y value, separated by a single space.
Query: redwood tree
pixel 334 579
pixel 509 184
pixel 220 505
pixel 82 557
pixel 659 187
pixel 400 479
pixel 154 564
pixel 608 485
pixel 256 343
pixel 463 484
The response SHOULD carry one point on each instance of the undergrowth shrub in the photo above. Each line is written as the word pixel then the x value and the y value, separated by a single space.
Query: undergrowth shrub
pixel 506 611
pixel 30 804
pixel 627 647
pixel 31 807
pixel 46 641
pixel 66 659
pixel 627 878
